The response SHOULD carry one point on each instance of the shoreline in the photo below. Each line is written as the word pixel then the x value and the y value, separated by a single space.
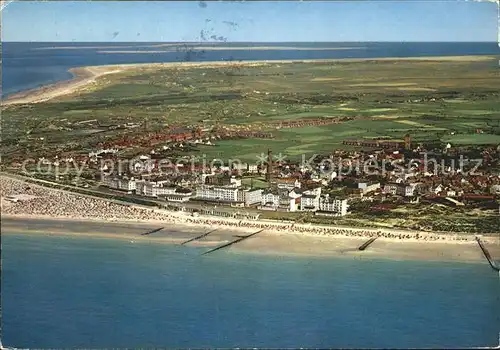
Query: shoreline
pixel 86 75
pixel 59 203
pixel 82 77
pixel 267 243
pixel 63 211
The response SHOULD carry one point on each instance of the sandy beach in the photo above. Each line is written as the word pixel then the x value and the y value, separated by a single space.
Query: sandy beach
pixel 59 211
pixel 84 76
pixel 268 242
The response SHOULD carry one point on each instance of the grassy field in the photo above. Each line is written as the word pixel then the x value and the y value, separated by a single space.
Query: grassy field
pixel 255 182
pixel 473 139
pixel 432 100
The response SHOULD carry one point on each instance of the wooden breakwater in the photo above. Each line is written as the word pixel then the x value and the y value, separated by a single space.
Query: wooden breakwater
pixel 198 237
pixel 487 255
pixel 367 243
pixel 233 242
pixel 152 231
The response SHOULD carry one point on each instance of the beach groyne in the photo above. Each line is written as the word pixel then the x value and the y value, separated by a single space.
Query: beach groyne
pixel 152 231
pixel 198 237
pixel 367 243
pixel 487 255
pixel 231 243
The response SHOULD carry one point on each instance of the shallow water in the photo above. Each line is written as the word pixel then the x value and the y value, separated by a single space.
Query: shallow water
pixel 81 292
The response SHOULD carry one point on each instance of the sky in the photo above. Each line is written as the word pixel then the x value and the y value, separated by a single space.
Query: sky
pixel 281 21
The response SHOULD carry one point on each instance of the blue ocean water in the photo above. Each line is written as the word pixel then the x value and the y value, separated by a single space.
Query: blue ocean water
pixel 28 65
pixel 63 292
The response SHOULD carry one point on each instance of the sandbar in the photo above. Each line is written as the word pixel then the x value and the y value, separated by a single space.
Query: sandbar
pixel 191 46
pixel 229 48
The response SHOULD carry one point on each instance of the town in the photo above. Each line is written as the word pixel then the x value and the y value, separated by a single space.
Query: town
pixel 377 151
pixel 457 176
pixel 374 176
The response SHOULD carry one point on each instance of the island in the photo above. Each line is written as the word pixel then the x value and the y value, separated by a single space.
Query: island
pixel 401 149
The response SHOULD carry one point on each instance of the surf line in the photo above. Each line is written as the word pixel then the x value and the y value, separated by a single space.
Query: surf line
pixel 198 237
pixel 233 242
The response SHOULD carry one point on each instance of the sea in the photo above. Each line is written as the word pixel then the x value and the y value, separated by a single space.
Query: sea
pixel 77 292
pixel 28 65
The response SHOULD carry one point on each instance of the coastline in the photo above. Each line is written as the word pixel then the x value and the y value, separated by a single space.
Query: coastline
pixel 82 77
pixel 86 75
pixel 37 201
pixel 269 243
pixel 70 214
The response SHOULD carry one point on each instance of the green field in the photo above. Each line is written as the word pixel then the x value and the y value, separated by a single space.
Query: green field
pixel 433 100
pixel 473 139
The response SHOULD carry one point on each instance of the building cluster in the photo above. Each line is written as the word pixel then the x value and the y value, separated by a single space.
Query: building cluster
pixel 323 186
pixel 376 170
pixel 457 175
pixel 310 200
pixel 285 194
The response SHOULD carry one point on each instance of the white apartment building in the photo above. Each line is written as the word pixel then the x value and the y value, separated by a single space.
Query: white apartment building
pixel 154 188
pixel 309 202
pixel 310 199
pixel 120 183
pixel 249 196
pixel 333 206
pixel 270 199
pixel 217 193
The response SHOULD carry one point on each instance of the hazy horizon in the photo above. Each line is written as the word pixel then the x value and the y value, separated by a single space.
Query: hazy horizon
pixel 254 21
